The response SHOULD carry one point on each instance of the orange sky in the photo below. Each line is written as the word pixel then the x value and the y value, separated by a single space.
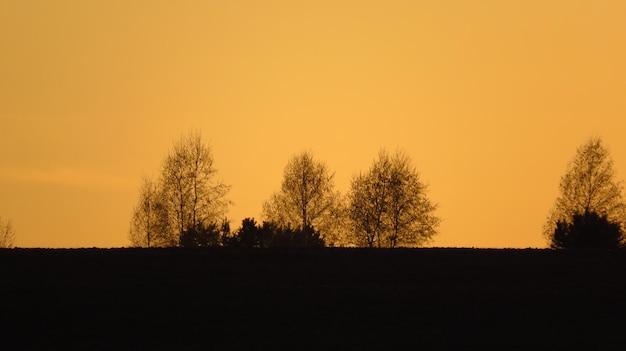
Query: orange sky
pixel 490 98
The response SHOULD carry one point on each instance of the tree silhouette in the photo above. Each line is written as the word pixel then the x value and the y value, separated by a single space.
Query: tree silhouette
pixel 249 234
pixel 195 198
pixel 587 230
pixel 389 206
pixel 184 206
pixel 587 187
pixel 307 198
pixel 7 234
pixel 150 225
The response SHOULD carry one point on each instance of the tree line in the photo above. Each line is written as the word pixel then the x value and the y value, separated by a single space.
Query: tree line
pixel 185 206
pixel 386 206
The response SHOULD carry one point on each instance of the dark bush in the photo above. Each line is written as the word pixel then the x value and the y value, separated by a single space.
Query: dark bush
pixel 270 234
pixel 202 236
pixel 587 231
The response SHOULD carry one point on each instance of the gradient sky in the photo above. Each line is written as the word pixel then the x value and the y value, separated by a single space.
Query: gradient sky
pixel 490 98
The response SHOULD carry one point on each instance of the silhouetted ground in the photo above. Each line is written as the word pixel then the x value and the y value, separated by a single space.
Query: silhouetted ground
pixel 312 299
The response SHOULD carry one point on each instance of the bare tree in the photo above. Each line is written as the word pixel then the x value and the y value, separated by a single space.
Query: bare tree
pixel 306 198
pixel 196 199
pixel 389 206
pixel 7 234
pixel 175 184
pixel 588 186
pixel 365 212
pixel 150 225
pixel 410 212
pixel 368 201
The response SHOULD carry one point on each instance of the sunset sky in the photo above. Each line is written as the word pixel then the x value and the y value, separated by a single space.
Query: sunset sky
pixel 490 99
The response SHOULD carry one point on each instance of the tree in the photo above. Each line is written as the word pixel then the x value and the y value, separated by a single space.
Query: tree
pixel 150 226
pixel 410 211
pixel 588 186
pixel 367 210
pixel 389 206
pixel 7 234
pixel 195 199
pixel 588 230
pixel 184 206
pixel 249 234
pixel 306 198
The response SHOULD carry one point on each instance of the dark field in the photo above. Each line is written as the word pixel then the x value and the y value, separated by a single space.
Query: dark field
pixel 312 299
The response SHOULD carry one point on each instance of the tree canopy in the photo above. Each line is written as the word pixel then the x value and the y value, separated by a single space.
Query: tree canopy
pixel 307 198
pixel 389 206
pixel 589 194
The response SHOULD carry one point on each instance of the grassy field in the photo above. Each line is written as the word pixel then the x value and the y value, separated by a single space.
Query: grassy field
pixel 312 299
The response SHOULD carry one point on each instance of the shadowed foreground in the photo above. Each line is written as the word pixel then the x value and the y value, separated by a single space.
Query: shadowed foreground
pixel 312 299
